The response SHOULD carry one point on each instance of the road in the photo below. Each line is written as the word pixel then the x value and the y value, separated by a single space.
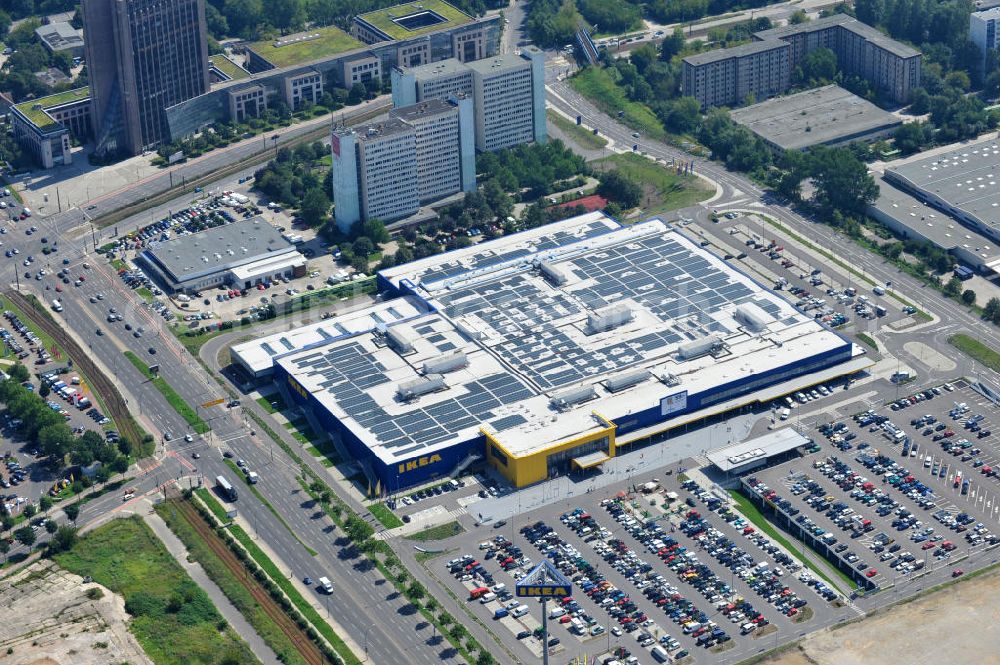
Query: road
pixel 200 167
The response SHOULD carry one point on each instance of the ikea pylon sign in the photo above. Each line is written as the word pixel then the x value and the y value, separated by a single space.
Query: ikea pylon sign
pixel 543 591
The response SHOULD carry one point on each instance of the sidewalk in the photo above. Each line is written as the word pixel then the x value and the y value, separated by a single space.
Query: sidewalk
pixel 197 573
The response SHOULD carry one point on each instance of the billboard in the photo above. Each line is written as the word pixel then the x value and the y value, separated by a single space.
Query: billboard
pixel 674 403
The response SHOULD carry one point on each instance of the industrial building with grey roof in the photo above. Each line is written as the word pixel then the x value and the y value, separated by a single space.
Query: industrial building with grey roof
pixel 828 115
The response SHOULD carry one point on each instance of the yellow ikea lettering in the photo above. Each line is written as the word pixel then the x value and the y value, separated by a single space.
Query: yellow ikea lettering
pixel 297 387
pixel 419 462
pixel 558 591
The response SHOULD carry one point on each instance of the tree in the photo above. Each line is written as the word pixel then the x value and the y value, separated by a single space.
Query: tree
pixel 4 548
pixel 619 188
pixel 798 17
pixel 968 296
pixel 842 180
pixel 363 247
pixel 910 137
pixel 375 230
pixel 357 93
pixel 45 502
pixel 315 207
pixel 51 526
pixel 19 373
pixel 72 511
pixel 25 535
pixel 30 510
pixel 818 66
pixel 63 540
pixel 44 390
pixel 953 288
pixel 672 45
pixel 416 590
pixel 684 115
pixel 485 658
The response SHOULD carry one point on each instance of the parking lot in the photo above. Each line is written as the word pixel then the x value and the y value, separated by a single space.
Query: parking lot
pixel 897 492
pixel 672 574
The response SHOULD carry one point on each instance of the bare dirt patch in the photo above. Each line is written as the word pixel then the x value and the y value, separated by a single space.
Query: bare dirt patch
pixel 951 626
pixel 49 619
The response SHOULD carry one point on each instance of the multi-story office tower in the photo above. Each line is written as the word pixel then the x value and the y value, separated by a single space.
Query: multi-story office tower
pixel 892 67
pixel 422 153
pixel 508 93
pixel 983 30
pixel 142 56
pixel 725 77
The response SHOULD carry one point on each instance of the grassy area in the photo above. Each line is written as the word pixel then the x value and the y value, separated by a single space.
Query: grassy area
pixel 274 399
pixel 145 293
pixel 118 264
pixel 866 339
pixel 582 137
pixel 281 579
pixel 173 619
pixel 424 557
pixel 330 41
pixel 228 67
pixel 176 401
pixel 388 518
pixel 267 504
pixel 323 457
pixel 231 586
pixel 193 343
pixel 750 511
pixel 385 19
pixel 439 532
pixel 205 495
pixel 35 109
pixel 977 350
pixel 663 188
pixel 597 85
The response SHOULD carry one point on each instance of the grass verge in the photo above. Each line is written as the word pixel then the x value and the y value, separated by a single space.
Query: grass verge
pixel 272 403
pixel 388 518
pixel 233 588
pixel 172 618
pixel 206 497
pixel 579 135
pixel 663 189
pixel 176 402
pixel 439 532
pixel 866 339
pixel 597 85
pixel 750 511
pixel 267 504
pixel 977 350
pixel 279 578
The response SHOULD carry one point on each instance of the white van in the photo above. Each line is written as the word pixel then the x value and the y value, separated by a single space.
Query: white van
pixel 519 611
pixel 497 588
pixel 747 628
pixel 488 598
pixel 785 413
pixel 557 612
pixel 660 654
pixel 326 585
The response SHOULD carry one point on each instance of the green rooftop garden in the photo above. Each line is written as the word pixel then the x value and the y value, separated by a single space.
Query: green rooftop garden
pixel 330 41
pixel 39 117
pixel 387 20
pixel 228 67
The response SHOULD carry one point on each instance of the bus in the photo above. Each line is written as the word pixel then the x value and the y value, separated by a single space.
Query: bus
pixel 225 488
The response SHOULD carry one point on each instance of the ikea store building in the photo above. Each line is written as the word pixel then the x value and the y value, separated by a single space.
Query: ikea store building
pixel 543 352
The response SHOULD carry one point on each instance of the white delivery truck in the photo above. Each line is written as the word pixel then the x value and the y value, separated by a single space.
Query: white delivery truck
pixel 326 585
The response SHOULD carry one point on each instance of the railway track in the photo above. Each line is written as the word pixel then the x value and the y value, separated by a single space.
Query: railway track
pixel 305 646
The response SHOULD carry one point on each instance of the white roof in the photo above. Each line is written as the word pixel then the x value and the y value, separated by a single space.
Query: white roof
pixel 527 340
pixel 752 451
pixel 268 265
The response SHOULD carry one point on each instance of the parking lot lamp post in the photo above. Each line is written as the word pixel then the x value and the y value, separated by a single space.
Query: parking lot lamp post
pixel 545 632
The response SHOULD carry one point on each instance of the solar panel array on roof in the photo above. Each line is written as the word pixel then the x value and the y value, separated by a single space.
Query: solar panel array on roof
pixel 348 371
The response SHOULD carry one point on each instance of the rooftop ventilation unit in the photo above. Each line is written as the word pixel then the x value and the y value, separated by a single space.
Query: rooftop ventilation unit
pixel 609 317
pixel 568 398
pixel 752 317
pixel 698 347
pixel 626 380
pixel 445 364
pixel 422 385
pixel 553 274
pixel 400 339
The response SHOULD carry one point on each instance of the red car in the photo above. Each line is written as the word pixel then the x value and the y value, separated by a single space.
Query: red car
pixel 927 546
pixel 958 572
pixel 871 572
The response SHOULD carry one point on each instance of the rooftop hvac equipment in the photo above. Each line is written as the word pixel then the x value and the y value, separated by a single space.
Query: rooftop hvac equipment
pixel 420 386
pixel 552 273
pixel 445 364
pixel 626 380
pixel 466 328
pixel 752 317
pixel 609 317
pixel 400 338
pixel 698 347
pixel 573 396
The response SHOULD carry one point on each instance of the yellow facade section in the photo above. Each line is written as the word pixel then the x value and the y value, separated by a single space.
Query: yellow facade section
pixel 533 468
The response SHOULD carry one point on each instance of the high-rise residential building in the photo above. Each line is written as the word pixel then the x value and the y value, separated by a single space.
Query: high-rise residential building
pixel 983 30
pixel 892 67
pixel 508 93
pixel 725 77
pixel 142 57
pixel 386 171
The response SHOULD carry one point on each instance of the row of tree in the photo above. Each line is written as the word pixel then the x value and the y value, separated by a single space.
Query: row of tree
pixel 298 178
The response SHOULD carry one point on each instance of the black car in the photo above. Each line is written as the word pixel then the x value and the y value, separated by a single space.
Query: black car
pixel 499 523
pixel 524 634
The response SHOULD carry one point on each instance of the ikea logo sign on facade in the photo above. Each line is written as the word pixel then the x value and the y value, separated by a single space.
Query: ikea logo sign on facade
pixel 297 387
pixel 419 462
pixel 543 591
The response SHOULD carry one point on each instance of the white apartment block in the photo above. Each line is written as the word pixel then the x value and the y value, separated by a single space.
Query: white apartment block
pixel 983 30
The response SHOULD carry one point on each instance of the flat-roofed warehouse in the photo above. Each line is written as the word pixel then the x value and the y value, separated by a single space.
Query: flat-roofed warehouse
pixel 828 116
pixel 542 351
pixel 241 255
pixel 961 182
